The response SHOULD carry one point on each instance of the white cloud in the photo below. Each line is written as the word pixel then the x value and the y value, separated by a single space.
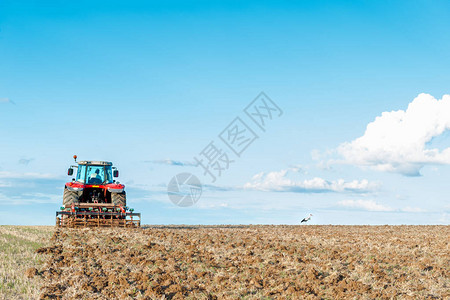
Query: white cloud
pixel 444 218
pixel 212 204
pixel 6 100
pixel 315 154
pixel 369 205
pixel 396 141
pixel 5 184
pixel 30 198
pixel 278 181
pixel 413 209
pixel 171 162
pixel 26 188
pixel 29 175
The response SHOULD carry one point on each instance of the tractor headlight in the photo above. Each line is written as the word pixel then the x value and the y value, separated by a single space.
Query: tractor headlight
pixel 74 189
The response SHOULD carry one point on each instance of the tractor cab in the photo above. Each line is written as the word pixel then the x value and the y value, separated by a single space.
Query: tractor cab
pixel 95 182
pixel 95 172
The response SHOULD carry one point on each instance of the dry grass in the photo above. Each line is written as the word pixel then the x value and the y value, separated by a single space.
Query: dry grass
pixel 249 262
pixel 18 246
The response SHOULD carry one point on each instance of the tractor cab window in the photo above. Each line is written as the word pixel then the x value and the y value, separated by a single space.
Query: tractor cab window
pixel 109 174
pixel 81 174
pixel 95 174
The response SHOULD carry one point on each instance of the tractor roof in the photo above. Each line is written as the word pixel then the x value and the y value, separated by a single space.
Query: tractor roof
pixel 95 163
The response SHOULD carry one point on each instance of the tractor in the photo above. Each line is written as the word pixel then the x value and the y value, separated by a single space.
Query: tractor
pixel 95 198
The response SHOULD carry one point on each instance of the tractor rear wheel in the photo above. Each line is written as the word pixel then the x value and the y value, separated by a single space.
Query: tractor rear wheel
pixel 69 197
pixel 119 199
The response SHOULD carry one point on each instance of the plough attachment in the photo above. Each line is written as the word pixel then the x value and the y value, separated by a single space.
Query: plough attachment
pixel 96 215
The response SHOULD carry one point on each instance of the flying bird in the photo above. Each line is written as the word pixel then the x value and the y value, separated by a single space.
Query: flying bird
pixel 306 219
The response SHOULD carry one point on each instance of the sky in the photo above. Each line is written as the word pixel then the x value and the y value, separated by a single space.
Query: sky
pixel 356 122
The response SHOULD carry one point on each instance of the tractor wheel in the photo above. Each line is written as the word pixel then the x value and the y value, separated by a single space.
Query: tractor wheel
pixel 69 197
pixel 119 199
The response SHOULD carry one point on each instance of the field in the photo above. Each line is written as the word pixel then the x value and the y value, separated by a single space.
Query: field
pixel 18 245
pixel 235 262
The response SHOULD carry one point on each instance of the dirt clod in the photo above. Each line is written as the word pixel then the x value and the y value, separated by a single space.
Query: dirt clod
pixel 31 272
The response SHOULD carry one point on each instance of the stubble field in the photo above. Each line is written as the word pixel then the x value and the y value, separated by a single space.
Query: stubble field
pixel 18 245
pixel 246 262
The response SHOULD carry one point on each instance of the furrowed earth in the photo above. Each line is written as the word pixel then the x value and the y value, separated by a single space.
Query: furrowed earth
pixel 246 262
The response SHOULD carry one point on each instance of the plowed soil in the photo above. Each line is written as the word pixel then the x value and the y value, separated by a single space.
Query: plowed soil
pixel 248 262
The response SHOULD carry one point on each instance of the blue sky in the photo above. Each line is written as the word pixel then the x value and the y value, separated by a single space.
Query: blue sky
pixel 140 83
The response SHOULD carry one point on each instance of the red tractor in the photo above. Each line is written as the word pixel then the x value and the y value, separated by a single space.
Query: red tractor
pixel 94 198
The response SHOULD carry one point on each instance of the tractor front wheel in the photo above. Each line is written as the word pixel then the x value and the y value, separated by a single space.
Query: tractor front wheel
pixel 119 199
pixel 69 197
